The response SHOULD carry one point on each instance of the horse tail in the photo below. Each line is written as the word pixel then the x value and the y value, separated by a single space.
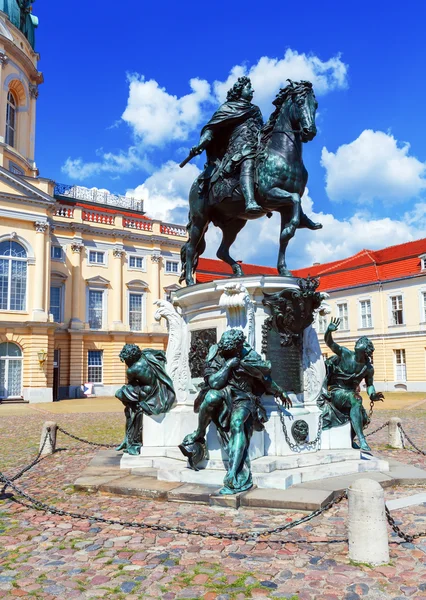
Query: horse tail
pixel 201 246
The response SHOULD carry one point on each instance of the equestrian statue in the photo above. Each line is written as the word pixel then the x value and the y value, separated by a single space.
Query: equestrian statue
pixel 251 170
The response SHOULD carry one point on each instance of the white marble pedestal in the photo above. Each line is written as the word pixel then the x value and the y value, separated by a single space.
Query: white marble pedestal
pixel 274 463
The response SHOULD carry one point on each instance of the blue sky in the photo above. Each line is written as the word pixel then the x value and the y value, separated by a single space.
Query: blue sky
pixel 128 87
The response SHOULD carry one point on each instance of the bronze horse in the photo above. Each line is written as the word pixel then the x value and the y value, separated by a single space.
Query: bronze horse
pixel 281 181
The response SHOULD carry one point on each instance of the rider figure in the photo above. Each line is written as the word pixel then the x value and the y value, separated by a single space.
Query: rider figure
pixel 230 139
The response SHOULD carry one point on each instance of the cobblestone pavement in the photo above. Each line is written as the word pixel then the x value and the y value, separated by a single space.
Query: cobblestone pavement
pixel 47 557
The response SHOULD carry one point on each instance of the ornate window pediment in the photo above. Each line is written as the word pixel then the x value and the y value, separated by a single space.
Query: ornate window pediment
pixel 97 281
pixel 137 284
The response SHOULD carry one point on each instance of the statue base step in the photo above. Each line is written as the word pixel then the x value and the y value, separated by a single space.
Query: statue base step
pixel 268 471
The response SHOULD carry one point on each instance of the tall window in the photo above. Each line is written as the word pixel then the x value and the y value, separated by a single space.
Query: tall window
pixel 10 370
pixel 56 303
pixel 96 309
pixel 11 119
pixel 365 310
pixel 423 308
pixel 342 313
pixel 136 311
pixel 400 365
pixel 172 266
pixel 397 315
pixel 13 276
pixel 95 366
pixel 322 323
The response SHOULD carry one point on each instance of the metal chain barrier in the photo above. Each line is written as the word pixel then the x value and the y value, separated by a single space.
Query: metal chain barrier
pixel 245 537
pixel 305 445
pixel 79 439
pixel 31 464
pixel 405 536
pixel 409 440
pixel 378 429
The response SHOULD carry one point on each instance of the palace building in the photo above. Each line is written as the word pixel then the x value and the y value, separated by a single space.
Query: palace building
pixel 380 294
pixel 80 269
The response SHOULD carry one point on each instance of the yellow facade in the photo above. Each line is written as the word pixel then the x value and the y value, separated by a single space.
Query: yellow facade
pixel 393 315
pixel 79 269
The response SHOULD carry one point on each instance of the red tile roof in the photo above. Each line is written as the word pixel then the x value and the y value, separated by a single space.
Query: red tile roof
pixel 209 269
pixel 363 268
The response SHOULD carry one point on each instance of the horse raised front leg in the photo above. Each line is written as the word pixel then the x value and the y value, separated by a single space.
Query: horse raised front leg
pixel 230 232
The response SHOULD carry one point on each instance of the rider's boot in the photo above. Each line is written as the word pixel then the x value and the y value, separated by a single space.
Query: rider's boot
pixel 247 187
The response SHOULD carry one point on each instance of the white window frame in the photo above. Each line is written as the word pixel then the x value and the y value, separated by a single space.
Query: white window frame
pixel 400 367
pixel 95 367
pixel 423 262
pixel 103 291
pixel 62 258
pixel 391 296
pixel 172 261
pixel 143 308
pixel 342 318
pixel 61 287
pixel 137 256
pixel 321 323
pixel 422 305
pixel 7 358
pixel 11 132
pixel 96 263
pixel 9 279
pixel 361 325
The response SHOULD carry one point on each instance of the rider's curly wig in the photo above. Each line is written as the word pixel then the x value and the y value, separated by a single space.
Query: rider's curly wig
pixel 236 90
pixel 131 353
pixel 232 339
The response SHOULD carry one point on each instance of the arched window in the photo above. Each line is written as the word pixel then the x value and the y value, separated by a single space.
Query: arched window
pixel 11 119
pixel 10 370
pixel 13 276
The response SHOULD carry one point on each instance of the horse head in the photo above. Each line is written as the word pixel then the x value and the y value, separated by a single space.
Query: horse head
pixel 297 105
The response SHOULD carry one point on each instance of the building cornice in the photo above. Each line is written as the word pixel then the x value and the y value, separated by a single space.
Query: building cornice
pixel 117 233
pixel 382 282
pixel 13 50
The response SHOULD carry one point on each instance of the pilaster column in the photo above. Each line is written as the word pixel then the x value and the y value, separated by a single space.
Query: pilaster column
pixel 39 305
pixel 76 248
pixel 156 260
pixel 33 88
pixel 117 291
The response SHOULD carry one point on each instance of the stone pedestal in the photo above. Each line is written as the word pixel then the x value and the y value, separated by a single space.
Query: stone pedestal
pixel 219 306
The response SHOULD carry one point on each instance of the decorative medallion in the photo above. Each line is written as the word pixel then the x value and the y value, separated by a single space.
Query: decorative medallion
pixel 300 431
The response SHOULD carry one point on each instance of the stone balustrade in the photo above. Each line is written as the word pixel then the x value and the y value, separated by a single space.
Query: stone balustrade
pixel 172 229
pixel 97 217
pixel 140 224
pixel 64 211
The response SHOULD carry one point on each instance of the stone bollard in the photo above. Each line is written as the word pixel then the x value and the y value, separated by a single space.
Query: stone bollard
pixel 50 445
pixel 368 534
pixel 394 433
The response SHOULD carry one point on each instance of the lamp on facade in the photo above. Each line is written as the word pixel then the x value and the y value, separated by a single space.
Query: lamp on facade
pixel 42 355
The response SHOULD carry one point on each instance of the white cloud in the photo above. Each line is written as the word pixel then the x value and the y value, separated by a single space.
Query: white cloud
pixel 165 192
pixel 157 116
pixel 270 74
pixel 374 166
pixel 123 162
